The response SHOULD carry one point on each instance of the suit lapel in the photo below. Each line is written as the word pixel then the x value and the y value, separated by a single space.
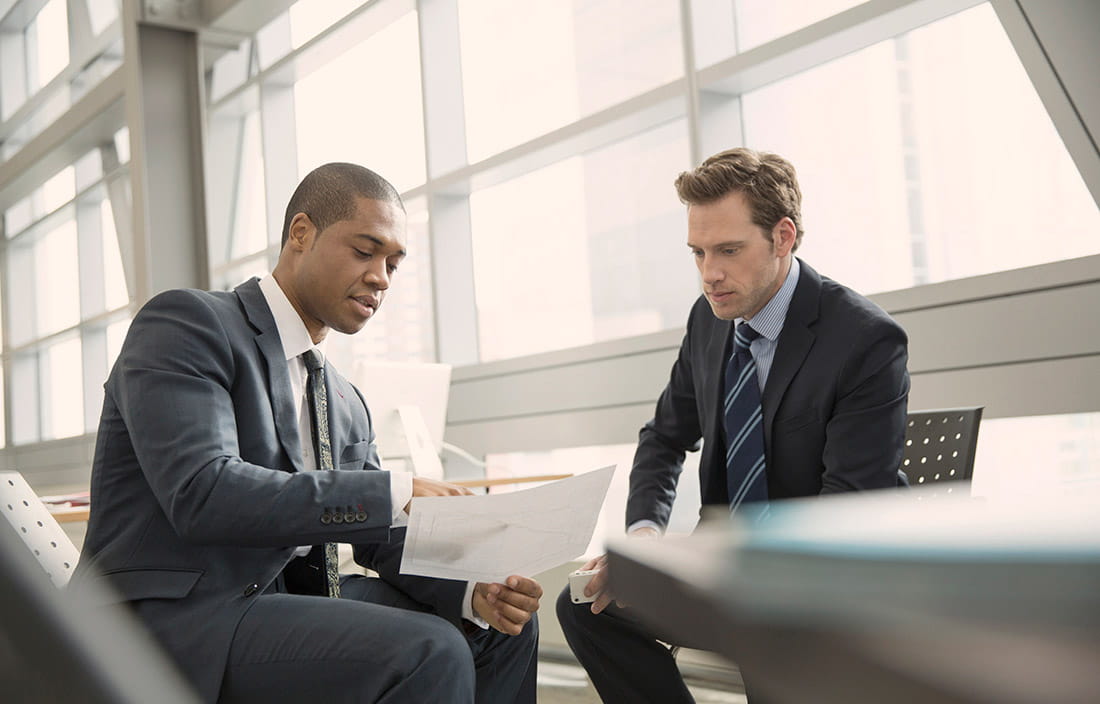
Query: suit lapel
pixel 278 374
pixel 795 342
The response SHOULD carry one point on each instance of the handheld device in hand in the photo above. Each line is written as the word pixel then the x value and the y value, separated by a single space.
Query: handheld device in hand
pixel 578 580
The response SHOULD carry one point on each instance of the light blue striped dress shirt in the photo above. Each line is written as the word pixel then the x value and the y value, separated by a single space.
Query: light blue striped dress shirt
pixel 769 323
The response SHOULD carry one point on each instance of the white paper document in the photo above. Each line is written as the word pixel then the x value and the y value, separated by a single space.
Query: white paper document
pixel 487 538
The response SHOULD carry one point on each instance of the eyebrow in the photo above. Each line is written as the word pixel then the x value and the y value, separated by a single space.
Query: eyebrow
pixel 728 243
pixel 378 241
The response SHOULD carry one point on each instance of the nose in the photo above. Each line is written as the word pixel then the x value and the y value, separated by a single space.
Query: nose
pixel 377 274
pixel 710 272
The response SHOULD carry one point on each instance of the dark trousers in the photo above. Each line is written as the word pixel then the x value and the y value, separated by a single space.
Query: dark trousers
pixel 626 662
pixel 374 644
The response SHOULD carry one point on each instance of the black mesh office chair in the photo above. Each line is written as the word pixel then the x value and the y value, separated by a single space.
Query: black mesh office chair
pixel 939 446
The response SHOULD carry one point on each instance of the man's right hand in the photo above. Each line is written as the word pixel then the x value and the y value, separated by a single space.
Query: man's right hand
pixel 598 584
pixel 422 486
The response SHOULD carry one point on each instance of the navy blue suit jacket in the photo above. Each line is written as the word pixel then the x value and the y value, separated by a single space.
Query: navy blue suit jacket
pixel 834 403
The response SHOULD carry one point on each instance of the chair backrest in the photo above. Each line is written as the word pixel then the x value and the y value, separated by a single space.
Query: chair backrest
pixel 940 444
pixel 40 532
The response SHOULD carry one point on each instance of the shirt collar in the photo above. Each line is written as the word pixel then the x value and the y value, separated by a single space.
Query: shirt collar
pixel 292 331
pixel 769 321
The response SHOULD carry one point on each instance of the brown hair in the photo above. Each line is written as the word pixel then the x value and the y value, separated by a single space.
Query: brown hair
pixel 767 180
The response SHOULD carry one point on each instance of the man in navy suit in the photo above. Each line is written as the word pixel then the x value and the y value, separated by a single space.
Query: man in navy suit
pixel 215 488
pixel 831 373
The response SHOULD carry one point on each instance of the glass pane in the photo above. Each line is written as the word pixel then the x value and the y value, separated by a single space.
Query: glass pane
pixel 308 18
pixel 402 330
pixel 56 280
pixel 24 396
pixel 122 145
pixel 563 61
pixel 62 381
pixel 381 128
pixel 116 335
pixel 603 257
pixel 904 162
pixel 1057 454
pixel 238 274
pixel 58 190
pixel 48 33
pixel 250 217
pixel 759 22
pixel 611 521
pixel 230 70
pixel 3 432
pixel 18 217
pixel 114 276
pixel 20 272
pixel 102 13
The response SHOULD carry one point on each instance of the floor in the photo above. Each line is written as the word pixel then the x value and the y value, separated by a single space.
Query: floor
pixel 561 683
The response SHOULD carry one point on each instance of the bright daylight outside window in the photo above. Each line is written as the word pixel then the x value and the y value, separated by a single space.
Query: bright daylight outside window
pixel 910 156
pixel 590 248
pixel 565 60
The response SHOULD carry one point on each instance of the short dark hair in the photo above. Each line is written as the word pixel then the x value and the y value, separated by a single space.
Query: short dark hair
pixel 327 194
pixel 767 180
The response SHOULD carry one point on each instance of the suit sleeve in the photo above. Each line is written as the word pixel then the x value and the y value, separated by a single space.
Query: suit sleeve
pixel 172 386
pixel 663 442
pixel 865 435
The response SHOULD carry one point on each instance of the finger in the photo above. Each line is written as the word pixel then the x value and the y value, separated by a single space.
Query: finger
pixel 601 602
pixel 525 585
pixel 514 599
pixel 597 584
pixel 512 614
pixel 593 563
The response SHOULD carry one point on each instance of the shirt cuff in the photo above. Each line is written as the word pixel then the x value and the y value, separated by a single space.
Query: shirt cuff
pixel 468 608
pixel 401 491
pixel 644 523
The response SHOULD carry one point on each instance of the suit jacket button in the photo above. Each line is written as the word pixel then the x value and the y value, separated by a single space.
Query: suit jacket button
pixel 326 518
pixel 251 589
pixel 349 517
pixel 337 518
pixel 361 516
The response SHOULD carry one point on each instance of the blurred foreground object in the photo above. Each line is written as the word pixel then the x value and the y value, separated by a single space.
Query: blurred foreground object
pixel 887 596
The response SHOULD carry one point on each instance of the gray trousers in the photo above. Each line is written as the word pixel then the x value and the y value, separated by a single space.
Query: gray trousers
pixel 374 644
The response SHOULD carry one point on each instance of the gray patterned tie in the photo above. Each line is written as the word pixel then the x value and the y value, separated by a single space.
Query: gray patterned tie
pixel 322 448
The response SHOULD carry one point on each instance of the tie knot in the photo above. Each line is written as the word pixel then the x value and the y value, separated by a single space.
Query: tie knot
pixel 744 335
pixel 313 360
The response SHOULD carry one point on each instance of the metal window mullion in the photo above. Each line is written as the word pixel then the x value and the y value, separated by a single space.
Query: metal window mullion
pixel 278 128
pixel 450 235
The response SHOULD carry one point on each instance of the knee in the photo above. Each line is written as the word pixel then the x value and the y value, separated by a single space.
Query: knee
pixel 445 652
pixel 571 617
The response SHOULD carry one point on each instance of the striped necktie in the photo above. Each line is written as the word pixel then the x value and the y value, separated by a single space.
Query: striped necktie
pixel 746 475
pixel 322 447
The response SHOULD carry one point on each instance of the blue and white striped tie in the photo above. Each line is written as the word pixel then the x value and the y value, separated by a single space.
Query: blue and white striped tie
pixel 746 475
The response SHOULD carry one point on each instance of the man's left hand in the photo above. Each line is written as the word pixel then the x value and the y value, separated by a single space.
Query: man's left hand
pixel 507 607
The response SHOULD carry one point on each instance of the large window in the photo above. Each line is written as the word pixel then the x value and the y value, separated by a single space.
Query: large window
pixel 589 248
pixel 929 155
pixel 64 265
pixel 564 60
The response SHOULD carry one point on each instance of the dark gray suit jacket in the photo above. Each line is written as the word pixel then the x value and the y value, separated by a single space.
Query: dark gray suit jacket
pixel 834 403
pixel 198 498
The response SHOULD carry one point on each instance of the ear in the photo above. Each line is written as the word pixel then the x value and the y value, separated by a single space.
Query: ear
pixel 783 235
pixel 301 233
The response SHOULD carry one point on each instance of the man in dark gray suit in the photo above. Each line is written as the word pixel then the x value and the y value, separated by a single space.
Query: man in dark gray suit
pixel 207 519
pixel 830 396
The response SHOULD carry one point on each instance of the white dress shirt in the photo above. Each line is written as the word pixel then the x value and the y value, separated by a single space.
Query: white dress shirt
pixel 296 341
